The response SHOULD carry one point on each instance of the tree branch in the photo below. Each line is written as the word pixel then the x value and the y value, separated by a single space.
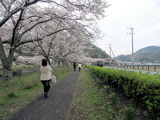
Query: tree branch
pixel 29 41
pixel 15 11
pixel 76 5
pixel 2 52
pixel 6 41
pixel 16 26
pixel 34 26
pixel 39 39
pixel 3 5
pixel 59 31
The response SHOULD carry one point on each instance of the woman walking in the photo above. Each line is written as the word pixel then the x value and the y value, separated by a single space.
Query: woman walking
pixel 45 77
pixel 80 65
pixel 74 66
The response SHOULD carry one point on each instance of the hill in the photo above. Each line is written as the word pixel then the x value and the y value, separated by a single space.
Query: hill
pixel 96 52
pixel 149 54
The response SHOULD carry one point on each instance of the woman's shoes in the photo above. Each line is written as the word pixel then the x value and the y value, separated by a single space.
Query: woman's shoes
pixel 45 95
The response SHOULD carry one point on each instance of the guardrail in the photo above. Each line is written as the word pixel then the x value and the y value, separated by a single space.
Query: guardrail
pixel 142 67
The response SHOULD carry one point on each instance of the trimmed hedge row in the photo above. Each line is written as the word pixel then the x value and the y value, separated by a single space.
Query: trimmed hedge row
pixel 143 88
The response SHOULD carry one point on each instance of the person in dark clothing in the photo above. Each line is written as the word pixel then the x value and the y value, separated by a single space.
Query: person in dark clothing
pixel 74 66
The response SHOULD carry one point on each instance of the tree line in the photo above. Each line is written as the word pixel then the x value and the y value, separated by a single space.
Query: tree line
pixel 58 30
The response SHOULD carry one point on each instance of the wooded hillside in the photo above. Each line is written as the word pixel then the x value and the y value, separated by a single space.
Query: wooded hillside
pixel 149 54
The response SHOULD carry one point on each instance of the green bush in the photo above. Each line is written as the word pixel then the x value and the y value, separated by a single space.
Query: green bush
pixel 129 113
pixel 144 88
pixel 107 88
pixel 114 99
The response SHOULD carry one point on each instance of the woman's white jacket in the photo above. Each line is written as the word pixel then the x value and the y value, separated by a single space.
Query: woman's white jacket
pixel 45 72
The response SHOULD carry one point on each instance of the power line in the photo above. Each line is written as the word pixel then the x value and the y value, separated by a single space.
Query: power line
pixel 153 11
pixel 149 24
pixel 129 51
pixel 150 18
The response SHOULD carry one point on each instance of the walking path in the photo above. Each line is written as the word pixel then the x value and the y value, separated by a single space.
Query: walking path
pixel 56 106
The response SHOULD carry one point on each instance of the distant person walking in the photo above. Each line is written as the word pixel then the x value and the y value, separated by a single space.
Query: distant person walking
pixel 80 65
pixel 74 66
pixel 45 77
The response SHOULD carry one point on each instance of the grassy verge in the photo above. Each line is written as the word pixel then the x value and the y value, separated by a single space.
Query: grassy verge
pixel 15 94
pixel 89 102
pixel 93 101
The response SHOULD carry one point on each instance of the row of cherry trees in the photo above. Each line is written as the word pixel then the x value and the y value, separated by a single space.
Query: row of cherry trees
pixel 56 29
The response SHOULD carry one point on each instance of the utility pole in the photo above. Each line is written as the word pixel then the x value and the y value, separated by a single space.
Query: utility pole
pixel 115 61
pixel 132 46
pixel 110 53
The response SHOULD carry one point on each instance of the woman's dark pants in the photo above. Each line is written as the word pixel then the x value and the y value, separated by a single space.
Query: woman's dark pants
pixel 46 85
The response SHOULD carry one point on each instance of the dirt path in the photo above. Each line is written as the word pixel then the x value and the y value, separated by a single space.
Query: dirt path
pixel 55 107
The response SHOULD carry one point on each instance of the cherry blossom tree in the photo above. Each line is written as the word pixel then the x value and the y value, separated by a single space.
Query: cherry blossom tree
pixel 21 20
pixel 61 46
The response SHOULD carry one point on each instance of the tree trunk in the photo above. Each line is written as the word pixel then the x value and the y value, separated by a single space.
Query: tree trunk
pixel 6 63
pixel 7 69
pixel 58 63
pixel 7 66
pixel 48 60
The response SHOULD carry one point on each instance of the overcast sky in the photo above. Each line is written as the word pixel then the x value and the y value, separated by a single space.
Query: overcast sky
pixel 142 15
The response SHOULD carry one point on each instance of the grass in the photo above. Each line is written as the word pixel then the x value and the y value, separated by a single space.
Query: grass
pixel 92 101
pixel 89 102
pixel 20 69
pixel 15 94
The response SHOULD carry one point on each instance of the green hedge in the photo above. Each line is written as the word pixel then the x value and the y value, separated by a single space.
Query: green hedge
pixel 143 88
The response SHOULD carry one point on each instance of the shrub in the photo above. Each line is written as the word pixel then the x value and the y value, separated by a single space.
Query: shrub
pixel 114 99
pixel 144 88
pixel 107 88
pixel 129 113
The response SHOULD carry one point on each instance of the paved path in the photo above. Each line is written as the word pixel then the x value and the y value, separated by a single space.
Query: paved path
pixel 56 106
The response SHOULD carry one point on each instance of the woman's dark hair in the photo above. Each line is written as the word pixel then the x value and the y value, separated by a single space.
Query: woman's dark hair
pixel 44 62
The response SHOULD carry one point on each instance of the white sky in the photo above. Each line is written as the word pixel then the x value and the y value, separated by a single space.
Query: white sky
pixel 142 15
